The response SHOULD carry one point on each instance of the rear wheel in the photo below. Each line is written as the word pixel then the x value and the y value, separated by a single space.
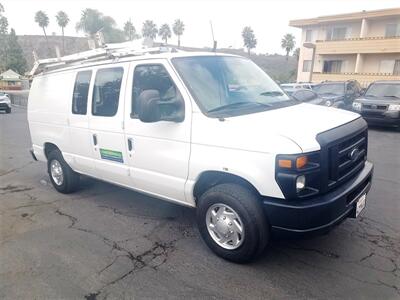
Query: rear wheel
pixel 232 223
pixel 63 178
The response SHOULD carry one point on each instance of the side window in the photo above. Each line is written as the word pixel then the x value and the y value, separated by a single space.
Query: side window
pixel 81 91
pixel 155 77
pixel 106 92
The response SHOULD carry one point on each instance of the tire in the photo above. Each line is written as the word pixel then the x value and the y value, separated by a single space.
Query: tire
pixel 70 179
pixel 8 110
pixel 247 206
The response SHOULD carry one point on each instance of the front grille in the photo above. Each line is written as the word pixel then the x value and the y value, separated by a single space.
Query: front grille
pixel 373 114
pixel 347 158
pixel 374 106
pixel 3 105
pixel 343 153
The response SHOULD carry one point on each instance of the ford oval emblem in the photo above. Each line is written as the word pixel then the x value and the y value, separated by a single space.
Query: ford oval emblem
pixel 354 154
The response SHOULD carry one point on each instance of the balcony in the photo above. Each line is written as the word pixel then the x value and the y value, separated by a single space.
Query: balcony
pixel 359 45
pixel 363 78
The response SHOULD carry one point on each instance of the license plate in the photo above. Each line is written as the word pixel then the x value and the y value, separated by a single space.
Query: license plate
pixel 360 204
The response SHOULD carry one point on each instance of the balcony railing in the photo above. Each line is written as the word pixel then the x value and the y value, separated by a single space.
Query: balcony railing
pixel 363 78
pixel 359 45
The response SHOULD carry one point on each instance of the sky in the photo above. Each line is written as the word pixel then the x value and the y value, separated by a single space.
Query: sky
pixel 269 18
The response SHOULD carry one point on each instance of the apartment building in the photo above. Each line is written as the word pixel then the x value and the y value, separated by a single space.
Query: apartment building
pixel 364 46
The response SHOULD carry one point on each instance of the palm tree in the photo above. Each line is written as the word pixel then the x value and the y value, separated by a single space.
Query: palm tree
pixel 288 42
pixel 165 32
pixel 62 21
pixel 43 21
pixel 178 29
pixel 149 29
pixel 249 39
pixel 130 31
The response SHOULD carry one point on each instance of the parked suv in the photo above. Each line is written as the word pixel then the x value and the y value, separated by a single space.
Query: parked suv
pixel 380 105
pixel 339 93
pixel 5 102
pixel 205 130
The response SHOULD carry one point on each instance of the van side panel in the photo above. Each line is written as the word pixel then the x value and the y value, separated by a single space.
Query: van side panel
pixel 48 106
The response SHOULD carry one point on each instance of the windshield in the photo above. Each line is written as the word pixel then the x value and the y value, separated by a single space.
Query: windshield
pixel 383 90
pixel 229 86
pixel 2 94
pixel 330 88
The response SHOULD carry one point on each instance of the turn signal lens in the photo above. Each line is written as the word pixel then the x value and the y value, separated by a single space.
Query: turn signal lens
pixel 301 162
pixel 285 163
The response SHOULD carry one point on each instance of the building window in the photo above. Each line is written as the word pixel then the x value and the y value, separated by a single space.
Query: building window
pixel 106 92
pixel 396 69
pixel 336 33
pixel 392 30
pixel 386 66
pixel 332 66
pixel 306 65
pixel 308 35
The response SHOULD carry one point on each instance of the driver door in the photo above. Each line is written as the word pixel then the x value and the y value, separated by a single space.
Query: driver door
pixel 158 152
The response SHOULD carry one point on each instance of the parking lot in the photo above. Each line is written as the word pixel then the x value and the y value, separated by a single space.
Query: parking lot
pixel 108 242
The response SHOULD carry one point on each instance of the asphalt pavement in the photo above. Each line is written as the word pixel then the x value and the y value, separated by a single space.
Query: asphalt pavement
pixel 106 242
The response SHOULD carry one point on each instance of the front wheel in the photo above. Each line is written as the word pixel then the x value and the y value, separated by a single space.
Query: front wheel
pixel 232 223
pixel 8 110
pixel 63 178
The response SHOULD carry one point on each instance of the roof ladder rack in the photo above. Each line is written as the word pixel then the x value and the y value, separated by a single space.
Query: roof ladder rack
pixel 109 51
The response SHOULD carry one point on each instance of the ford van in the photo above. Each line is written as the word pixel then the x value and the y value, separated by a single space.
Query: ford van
pixel 210 131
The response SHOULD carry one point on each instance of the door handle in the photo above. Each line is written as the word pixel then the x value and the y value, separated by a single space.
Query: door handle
pixel 130 144
pixel 95 139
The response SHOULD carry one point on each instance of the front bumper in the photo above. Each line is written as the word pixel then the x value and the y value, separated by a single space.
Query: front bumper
pixel 4 106
pixel 319 213
pixel 387 118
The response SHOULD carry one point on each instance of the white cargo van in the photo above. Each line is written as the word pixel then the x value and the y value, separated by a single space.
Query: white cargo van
pixel 206 130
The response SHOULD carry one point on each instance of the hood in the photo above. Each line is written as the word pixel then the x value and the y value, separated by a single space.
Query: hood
pixel 378 101
pixel 4 99
pixel 331 97
pixel 291 129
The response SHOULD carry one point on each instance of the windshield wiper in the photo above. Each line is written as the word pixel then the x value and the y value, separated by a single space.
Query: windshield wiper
pixel 272 93
pixel 236 104
pixel 391 96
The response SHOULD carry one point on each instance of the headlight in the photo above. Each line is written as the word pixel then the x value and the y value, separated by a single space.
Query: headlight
pixel 328 103
pixel 357 106
pixel 395 107
pixel 300 183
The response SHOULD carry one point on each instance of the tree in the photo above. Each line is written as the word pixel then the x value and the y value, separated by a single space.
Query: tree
pixel 288 43
pixel 178 29
pixel 165 32
pixel 130 31
pixel 249 39
pixel 3 37
pixel 14 58
pixel 93 21
pixel 149 29
pixel 43 21
pixel 62 21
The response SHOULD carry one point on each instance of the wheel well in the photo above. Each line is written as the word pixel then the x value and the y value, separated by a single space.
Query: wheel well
pixel 209 179
pixel 48 148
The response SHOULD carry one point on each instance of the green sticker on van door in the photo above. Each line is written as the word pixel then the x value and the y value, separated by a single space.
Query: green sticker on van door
pixel 111 155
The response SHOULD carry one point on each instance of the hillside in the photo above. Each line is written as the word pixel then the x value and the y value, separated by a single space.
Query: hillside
pixel 275 65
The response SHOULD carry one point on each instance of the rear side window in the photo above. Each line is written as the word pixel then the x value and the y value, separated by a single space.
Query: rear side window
pixel 106 92
pixel 81 90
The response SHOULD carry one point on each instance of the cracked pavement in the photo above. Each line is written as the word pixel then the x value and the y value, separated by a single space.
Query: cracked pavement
pixel 106 242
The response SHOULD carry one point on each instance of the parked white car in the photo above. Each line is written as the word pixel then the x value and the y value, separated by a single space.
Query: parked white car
pixel 205 130
pixel 5 102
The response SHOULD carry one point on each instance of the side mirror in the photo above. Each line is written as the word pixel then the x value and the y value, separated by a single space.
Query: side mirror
pixel 362 91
